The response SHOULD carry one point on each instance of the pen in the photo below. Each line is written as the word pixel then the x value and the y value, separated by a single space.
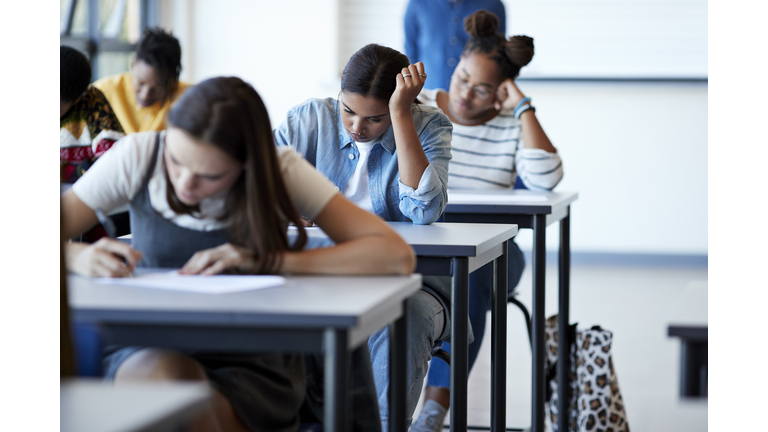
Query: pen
pixel 109 227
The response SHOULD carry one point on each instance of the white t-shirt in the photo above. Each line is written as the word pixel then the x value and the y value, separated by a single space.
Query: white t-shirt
pixel 357 188
pixel 117 177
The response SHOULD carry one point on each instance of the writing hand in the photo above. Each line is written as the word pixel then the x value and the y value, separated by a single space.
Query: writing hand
pixel 105 258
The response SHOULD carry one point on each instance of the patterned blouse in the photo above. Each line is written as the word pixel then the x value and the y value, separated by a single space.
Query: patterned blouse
pixel 88 129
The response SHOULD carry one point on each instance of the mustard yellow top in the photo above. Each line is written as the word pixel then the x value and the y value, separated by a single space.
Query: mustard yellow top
pixel 122 97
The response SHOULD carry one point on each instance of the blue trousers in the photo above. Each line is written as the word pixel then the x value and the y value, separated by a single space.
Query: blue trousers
pixel 480 290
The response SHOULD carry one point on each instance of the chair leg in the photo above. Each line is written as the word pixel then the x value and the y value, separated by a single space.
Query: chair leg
pixel 523 309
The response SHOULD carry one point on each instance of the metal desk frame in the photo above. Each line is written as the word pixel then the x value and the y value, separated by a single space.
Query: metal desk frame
pixel 459 262
pixel 536 217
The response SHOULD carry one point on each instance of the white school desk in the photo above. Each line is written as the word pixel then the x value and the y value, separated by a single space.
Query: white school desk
pixel 689 322
pixel 98 406
pixel 329 314
pixel 535 210
pixel 450 249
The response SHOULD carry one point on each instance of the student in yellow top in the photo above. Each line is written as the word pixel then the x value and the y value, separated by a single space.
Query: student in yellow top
pixel 141 98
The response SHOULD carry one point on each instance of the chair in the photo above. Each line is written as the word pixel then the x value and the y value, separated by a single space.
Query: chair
pixel 439 352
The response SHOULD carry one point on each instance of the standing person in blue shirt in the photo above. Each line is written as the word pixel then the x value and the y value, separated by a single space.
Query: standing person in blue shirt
pixel 388 155
pixel 435 36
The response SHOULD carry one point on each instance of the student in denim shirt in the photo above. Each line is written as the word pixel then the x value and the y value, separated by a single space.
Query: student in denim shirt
pixel 390 156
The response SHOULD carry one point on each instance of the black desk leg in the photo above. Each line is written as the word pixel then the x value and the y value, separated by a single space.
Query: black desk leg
pixel 693 368
pixel 563 360
pixel 539 374
pixel 337 368
pixel 459 345
pixel 499 344
pixel 397 374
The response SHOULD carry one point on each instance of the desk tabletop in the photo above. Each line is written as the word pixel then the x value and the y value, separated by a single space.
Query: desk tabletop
pixel 305 301
pixel 454 239
pixel 98 406
pixel 689 317
pixel 445 238
pixel 508 201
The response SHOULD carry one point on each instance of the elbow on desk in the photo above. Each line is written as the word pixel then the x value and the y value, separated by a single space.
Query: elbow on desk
pixel 401 258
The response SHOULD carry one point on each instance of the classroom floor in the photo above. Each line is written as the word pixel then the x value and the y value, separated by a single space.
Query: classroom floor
pixel 631 301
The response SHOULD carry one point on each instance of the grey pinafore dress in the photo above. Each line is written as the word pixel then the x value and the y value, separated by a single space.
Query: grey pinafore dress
pixel 265 390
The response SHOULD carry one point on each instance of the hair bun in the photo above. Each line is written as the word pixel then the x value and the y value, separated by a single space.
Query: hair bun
pixel 519 50
pixel 481 24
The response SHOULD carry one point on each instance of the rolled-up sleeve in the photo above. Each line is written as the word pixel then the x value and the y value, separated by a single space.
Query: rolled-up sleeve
pixel 426 203
pixel 539 169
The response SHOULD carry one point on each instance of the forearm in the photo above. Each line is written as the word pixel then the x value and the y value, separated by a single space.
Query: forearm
pixel 411 160
pixel 533 134
pixel 375 254
pixel 71 251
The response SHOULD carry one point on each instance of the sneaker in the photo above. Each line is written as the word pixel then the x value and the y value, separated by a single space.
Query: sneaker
pixel 430 419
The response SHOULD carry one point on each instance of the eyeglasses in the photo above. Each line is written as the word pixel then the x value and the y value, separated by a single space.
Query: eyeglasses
pixel 462 84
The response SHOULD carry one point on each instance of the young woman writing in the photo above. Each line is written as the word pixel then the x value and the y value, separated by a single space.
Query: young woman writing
pixel 389 156
pixel 496 137
pixel 212 194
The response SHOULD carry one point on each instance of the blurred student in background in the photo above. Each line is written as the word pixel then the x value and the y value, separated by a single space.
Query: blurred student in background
pixel 141 98
pixel 88 128
pixel 435 36
pixel 496 138
pixel 88 124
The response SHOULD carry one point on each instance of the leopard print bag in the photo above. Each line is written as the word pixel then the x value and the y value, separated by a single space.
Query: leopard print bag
pixel 596 404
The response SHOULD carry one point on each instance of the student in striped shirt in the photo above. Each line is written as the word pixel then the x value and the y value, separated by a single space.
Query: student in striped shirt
pixel 496 138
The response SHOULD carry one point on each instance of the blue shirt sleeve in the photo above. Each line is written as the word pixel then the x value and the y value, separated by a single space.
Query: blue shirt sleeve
pixel 426 203
pixel 283 134
pixel 297 131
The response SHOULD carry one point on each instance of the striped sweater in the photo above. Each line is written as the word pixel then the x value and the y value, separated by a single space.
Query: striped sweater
pixel 492 155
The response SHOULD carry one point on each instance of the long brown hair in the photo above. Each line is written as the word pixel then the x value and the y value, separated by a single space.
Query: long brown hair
pixel 510 54
pixel 228 114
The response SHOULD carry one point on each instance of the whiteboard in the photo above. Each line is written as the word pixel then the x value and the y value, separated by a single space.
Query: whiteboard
pixel 612 39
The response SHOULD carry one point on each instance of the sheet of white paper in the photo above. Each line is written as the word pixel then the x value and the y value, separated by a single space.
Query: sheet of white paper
pixel 464 197
pixel 218 284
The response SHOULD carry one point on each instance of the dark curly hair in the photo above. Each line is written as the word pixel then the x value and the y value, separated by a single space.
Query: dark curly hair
pixel 75 73
pixel 511 55
pixel 162 51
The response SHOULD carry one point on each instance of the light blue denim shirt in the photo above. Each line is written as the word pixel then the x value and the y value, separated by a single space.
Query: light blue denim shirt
pixel 314 128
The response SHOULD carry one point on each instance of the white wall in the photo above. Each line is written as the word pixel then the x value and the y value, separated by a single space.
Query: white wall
pixel 635 152
pixel 286 49
pixel 637 155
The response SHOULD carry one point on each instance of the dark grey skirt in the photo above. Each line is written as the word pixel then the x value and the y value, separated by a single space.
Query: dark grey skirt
pixel 266 390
